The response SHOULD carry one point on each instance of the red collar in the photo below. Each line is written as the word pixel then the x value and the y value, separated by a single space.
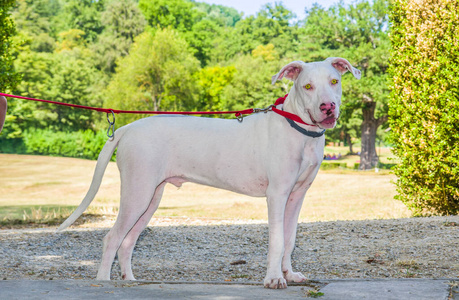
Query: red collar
pixel 288 115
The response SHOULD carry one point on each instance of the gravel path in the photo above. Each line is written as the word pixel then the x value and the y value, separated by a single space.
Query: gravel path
pixel 201 250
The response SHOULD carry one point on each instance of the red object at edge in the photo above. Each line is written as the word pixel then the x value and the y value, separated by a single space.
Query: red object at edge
pixel 237 113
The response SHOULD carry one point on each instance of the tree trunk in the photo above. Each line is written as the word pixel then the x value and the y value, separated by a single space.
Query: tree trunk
pixel 368 156
pixel 156 102
pixel 347 138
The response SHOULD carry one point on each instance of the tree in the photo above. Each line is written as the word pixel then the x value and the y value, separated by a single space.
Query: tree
pixel 201 40
pixel 83 91
pixel 189 20
pixel 270 26
pixel 35 70
pixel 187 55
pixel 268 53
pixel 358 33
pixel 70 39
pixel 35 21
pixel 221 15
pixel 251 85
pixel 212 81
pixel 65 76
pixel 8 76
pixel 122 21
pixel 177 14
pixel 156 75
pixel 84 15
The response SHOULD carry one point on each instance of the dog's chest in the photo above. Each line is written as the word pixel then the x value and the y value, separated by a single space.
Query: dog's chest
pixel 309 165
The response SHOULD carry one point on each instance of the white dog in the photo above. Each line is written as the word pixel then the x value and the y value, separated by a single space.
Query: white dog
pixel 266 155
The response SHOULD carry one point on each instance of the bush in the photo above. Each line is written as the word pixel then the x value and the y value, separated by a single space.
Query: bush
pixel 385 166
pixel 424 105
pixel 15 146
pixel 79 144
pixel 332 165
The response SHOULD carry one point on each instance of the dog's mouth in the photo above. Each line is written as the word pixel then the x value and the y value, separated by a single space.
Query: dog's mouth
pixel 327 123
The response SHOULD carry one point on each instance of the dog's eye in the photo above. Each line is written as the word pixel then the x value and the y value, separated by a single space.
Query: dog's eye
pixel 308 86
pixel 334 81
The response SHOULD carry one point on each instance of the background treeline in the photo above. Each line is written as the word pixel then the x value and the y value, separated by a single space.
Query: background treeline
pixel 185 55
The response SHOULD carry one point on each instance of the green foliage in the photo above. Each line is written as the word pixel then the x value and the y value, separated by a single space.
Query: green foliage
pixel 357 32
pixel 221 15
pixel 70 39
pixel 177 14
pixel 251 85
pixel 182 55
pixel 270 26
pixel 386 166
pixel 122 22
pixel 84 15
pixel 13 146
pixel 80 144
pixel 267 52
pixel 333 165
pixel 35 23
pixel 47 76
pixel 424 105
pixel 201 40
pixel 8 77
pixel 212 81
pixel 157 75
pixel 314 294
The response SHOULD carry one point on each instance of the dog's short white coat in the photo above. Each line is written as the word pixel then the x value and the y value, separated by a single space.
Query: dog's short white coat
pixel 263 157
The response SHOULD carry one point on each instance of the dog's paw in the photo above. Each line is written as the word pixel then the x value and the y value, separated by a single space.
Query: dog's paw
pixel 128 277
pixel 294 277
pixel 275 283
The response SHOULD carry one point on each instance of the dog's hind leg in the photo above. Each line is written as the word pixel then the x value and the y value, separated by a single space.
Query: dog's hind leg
pixel 128 244
pixel 136 197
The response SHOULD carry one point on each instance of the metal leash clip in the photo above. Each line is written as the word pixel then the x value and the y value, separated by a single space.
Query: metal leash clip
pixel 111 126
pixel 239 117
pixel 265 110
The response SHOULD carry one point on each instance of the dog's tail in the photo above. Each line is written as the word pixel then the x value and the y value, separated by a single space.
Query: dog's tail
pixel 102 162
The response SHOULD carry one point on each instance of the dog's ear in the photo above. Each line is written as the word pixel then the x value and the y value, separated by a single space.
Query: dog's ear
pixel 342 65
pixel 290 71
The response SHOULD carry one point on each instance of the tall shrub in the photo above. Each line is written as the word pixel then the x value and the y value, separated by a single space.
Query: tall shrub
pixel 424 105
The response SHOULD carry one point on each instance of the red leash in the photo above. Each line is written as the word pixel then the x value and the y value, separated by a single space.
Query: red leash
pixel 238 113
pixel 288 115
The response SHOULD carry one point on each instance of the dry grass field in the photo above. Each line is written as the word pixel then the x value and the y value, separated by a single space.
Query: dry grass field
pixel 40 187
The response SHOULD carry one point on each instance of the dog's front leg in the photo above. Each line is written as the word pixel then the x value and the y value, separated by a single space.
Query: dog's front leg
pixel 276 208
pixel 292 212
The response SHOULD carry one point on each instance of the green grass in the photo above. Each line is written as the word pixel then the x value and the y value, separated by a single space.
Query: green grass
pixel 26 215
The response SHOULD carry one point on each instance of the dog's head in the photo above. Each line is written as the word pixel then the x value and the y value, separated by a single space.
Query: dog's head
pixel 316 92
